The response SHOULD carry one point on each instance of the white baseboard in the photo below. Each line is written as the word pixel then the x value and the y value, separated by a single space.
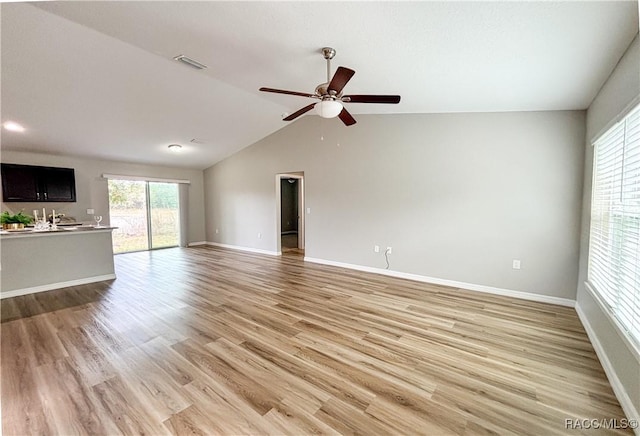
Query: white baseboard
pixel 248 249
pixel 618 388
pixel 470 286
pixel 195 244
pixel 52 286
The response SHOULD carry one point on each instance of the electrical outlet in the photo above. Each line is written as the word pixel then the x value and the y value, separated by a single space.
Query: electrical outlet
pixel 91 211
pixel 217 231
pixel 259 235
pixel 389 249
pixel 516 264
pixel 376 249
pixel 308 211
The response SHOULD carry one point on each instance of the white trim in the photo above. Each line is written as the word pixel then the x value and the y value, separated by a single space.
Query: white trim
pixel 52 286
pixel 618 388
pixel 195 244
pixel 301 208
pixel 615 324
pixel 249 249
pixel 145 179
pixel 469 286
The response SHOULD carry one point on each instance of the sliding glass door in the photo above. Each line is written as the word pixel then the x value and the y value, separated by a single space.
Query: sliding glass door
pixel 164 214
pixel 146 214
pixel 128 212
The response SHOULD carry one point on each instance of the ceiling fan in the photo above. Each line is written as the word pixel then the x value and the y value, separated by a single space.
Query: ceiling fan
pixel 330 94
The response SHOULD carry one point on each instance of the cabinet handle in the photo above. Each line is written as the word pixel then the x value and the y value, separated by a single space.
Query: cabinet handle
pixel 45 195
pixel 37 196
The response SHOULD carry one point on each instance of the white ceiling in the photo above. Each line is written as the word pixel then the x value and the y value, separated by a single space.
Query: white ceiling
pixel 98 79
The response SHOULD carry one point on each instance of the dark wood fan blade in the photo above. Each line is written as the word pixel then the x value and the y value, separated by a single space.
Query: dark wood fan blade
pixel 282 91
pixel 346 117
pixel 391 99
pixel 340 78
pixel 296 114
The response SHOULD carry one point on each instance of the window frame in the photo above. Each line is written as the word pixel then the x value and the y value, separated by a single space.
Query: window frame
pixel 630 334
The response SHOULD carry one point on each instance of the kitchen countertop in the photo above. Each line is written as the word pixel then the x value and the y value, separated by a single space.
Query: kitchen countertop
pixel 62 230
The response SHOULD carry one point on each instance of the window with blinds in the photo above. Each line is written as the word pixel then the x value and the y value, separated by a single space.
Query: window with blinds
pixel 614 251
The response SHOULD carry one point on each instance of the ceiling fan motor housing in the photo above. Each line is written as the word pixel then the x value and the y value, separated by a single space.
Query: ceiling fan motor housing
pixel 322 91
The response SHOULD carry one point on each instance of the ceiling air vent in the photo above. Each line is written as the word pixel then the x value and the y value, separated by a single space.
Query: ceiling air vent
pixel 188 61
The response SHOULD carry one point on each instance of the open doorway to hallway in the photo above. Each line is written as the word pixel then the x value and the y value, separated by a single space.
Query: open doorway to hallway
pixel 290 199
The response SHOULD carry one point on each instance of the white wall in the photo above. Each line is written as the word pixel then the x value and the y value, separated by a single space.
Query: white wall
pixel 92 190
pixel 621 90
pixel 457 196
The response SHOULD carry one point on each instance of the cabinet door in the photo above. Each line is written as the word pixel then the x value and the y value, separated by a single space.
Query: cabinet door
pixel 19 183
pixel 57 184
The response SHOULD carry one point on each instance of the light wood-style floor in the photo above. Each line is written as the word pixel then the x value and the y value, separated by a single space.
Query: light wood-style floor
pixel 212 341
pixel 289 244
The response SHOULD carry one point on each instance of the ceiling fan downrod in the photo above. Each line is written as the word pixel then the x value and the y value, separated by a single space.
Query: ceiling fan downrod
pixel 328 54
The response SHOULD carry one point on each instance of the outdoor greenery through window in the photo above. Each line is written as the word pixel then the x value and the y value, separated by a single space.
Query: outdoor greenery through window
pixel 146 214
pixel 614 250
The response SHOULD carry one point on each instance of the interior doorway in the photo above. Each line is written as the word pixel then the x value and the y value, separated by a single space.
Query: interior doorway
pixel 290 206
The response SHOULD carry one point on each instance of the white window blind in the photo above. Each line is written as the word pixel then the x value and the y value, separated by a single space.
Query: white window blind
pixel 614 251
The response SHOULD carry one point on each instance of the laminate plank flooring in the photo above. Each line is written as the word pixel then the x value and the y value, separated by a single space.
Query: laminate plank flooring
pixel 213 341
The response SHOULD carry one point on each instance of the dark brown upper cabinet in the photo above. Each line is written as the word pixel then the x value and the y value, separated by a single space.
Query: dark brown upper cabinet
pixel 37 184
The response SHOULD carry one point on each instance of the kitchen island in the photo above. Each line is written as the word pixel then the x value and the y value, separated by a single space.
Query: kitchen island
pixel 35 261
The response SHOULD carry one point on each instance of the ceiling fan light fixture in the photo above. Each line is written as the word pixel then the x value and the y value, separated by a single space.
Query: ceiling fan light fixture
pixel 329 108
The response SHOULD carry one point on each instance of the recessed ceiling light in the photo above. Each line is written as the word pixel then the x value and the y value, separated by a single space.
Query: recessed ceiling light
pixel 175 148
pixel 13 126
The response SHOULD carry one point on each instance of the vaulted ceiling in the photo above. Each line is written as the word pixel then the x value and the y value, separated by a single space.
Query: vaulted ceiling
pixel 98 78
